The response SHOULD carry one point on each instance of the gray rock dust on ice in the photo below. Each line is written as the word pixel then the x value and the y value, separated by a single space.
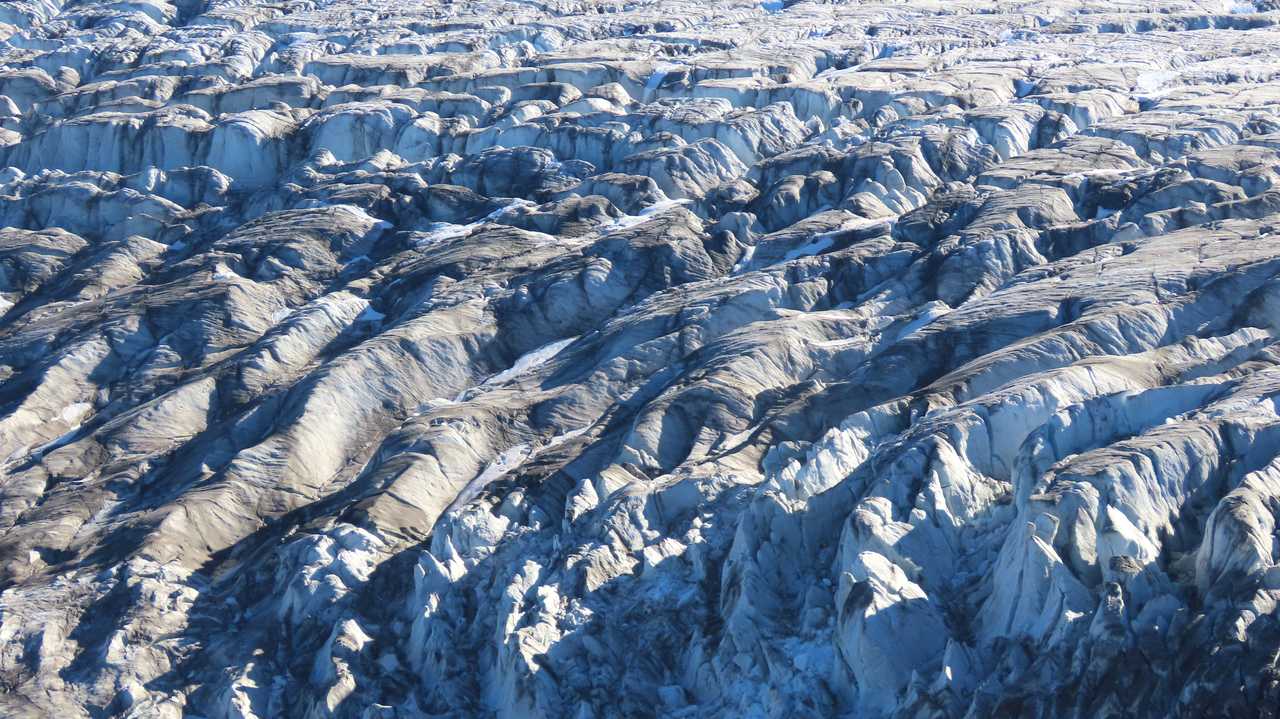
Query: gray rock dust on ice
pixel 639 358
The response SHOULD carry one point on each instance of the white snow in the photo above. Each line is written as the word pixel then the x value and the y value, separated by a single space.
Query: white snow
pixel 530 361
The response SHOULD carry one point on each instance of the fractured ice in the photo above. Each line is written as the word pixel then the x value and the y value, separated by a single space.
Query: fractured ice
pixel 625 358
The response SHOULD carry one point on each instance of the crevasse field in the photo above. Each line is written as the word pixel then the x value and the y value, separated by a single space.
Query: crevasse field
pixel 601 359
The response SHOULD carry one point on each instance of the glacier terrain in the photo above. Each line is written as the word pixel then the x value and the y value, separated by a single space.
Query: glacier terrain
pixel 639 358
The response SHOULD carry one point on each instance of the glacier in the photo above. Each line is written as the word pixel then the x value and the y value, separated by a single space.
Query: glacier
pixel 639 358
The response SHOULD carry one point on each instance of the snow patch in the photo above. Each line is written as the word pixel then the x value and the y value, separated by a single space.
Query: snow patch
pixel 529 361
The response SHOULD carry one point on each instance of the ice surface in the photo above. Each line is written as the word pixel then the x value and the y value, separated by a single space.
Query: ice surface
pixel 603 359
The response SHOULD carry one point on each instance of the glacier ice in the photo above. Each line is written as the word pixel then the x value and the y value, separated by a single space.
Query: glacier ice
pixel 589 358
